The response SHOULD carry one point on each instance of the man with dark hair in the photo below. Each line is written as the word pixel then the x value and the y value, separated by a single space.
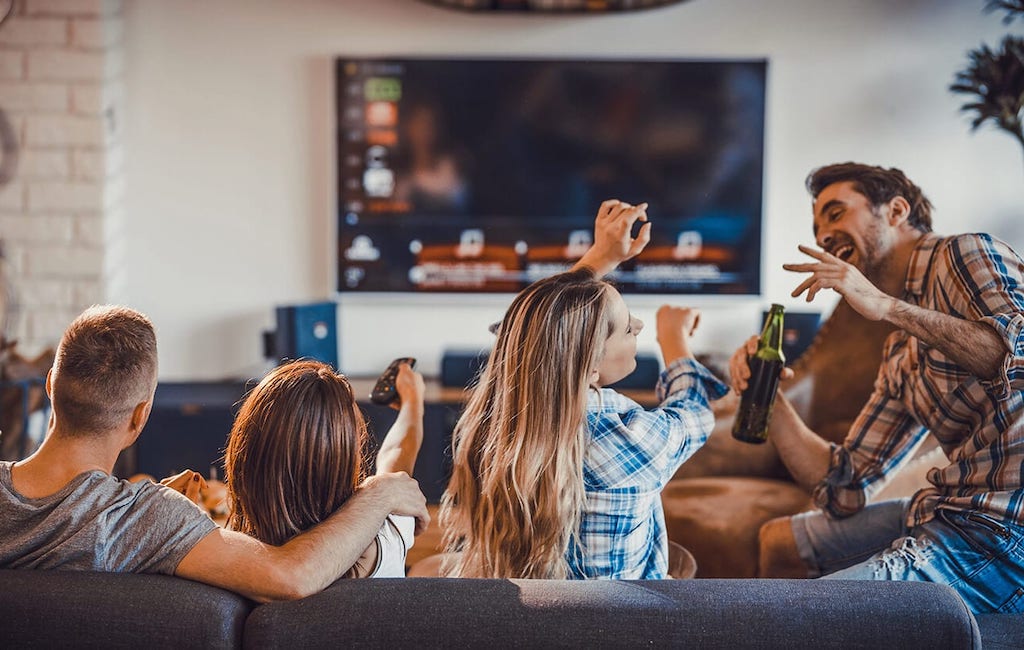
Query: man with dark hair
pixel 61 508
pixel 954 368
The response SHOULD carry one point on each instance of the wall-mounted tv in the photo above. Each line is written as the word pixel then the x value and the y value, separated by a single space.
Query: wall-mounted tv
pixel 483 175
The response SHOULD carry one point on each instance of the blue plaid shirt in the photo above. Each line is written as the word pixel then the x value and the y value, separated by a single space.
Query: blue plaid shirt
pixel 631 455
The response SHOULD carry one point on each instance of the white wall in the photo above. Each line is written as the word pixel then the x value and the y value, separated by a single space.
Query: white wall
pixel 229 151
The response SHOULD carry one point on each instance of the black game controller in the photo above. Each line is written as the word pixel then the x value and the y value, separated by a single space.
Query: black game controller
pixel 384 391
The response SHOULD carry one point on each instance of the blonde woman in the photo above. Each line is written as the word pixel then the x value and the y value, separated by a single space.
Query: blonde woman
pixel 555 476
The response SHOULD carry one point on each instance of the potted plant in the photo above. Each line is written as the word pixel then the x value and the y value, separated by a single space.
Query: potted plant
pixel 995 78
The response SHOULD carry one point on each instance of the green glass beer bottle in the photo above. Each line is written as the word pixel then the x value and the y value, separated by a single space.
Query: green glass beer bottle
pixel 756 403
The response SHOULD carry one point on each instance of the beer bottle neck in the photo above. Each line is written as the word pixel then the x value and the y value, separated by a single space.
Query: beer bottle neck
pixel 771 335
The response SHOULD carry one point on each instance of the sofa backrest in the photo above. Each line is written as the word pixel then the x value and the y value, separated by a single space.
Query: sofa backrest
pixel 61 609
pixel 442 613
pixel 52 609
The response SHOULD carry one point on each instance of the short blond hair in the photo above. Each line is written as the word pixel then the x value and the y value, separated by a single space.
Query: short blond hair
pixel 105 365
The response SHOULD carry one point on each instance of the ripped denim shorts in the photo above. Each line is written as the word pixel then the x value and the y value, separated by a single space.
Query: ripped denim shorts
pixel 978 556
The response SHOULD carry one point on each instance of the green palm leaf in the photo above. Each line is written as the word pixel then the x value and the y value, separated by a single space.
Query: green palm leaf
pixel 1013 8
pixel 995 81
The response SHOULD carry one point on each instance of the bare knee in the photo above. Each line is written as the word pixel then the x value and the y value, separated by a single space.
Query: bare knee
pixel 778 556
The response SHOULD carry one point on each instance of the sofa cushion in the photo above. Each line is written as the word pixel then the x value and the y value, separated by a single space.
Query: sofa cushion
pixel 440 612
pixel 1001 631
pixel 48 609
pixel 718 519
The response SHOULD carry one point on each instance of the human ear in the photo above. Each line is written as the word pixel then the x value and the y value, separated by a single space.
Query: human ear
pixel 899 210
pixel 140 415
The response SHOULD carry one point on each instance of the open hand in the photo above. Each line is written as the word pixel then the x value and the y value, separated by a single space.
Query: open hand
pixel 830 272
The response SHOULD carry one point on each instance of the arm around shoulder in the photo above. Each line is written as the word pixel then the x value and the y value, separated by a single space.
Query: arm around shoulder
pixel 310 561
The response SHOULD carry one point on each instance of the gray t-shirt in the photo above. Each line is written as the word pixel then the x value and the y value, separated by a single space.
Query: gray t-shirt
pixel 98 523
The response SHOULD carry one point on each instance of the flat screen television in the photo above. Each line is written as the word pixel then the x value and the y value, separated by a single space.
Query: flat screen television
pixel 483 175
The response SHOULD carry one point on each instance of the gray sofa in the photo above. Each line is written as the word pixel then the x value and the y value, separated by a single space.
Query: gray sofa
pixel 60 609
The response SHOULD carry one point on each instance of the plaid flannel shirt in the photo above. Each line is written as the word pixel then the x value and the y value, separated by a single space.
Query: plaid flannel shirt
pixel 978 423
pixel 631 454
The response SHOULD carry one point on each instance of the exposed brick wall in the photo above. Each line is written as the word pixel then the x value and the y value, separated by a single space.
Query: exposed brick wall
pixel 61 65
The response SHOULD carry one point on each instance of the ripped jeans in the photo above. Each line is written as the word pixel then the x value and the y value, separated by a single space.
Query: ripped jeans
pixel 978 556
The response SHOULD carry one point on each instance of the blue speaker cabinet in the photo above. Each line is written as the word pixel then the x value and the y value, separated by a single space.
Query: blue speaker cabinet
pixel 307 332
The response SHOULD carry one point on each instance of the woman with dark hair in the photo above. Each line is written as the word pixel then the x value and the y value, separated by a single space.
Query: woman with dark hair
pixel 296 454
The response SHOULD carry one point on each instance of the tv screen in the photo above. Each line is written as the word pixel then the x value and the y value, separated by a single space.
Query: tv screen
pixel 485 175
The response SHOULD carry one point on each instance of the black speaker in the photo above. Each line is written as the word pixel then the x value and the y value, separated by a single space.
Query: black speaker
pixel 460 367
pixel 305 332
pixel 188 427
pixel 644 377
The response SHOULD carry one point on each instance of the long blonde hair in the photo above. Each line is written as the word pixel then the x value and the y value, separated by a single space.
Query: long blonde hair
pixel 515 497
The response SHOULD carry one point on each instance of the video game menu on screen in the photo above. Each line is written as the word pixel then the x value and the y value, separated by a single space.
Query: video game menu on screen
pixel 485 175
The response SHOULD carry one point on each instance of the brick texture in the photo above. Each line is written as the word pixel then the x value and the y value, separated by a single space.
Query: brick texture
pixel 64 130
pixel 89 164
pixel 61 63
pixel 38 164
pixel 69 262
pixel 72 7
pixel 91 33
pixel 27 96
pixel 89 231
pixel 12 65
pixel 34 31
pixel 70 196
pixel 12 197
pixel 66 65
pixel 88 99
pixel 37 228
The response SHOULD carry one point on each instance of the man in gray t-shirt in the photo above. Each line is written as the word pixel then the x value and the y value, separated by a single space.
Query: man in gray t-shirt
pixel 99 523
pixel 61 509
